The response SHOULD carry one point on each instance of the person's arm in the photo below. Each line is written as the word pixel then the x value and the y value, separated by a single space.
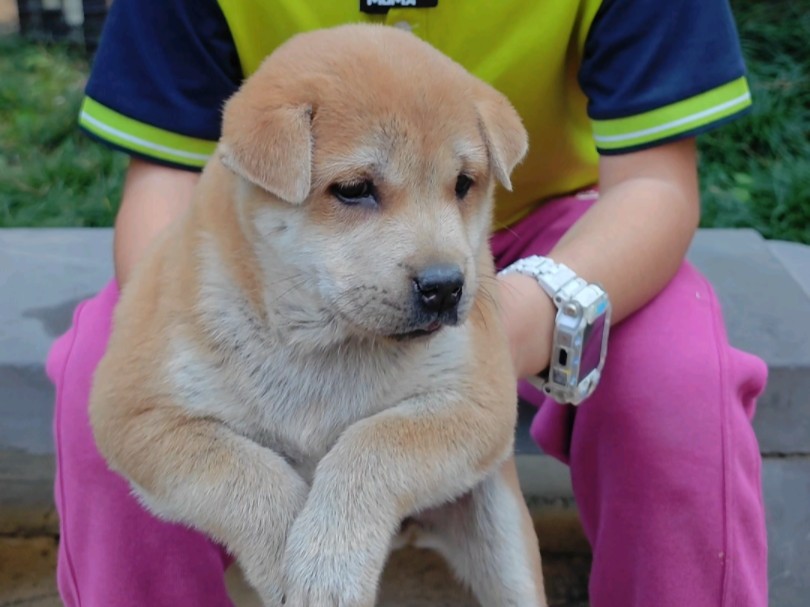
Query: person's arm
pixel 154 195
pixel 631 241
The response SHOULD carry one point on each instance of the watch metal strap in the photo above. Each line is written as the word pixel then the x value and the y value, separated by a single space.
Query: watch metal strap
pixel 553 277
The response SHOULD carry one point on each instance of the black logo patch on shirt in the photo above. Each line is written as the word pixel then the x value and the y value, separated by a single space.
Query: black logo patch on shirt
pixel 376 7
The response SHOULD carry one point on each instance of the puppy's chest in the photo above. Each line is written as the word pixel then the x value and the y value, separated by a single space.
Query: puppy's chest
pixel 298 405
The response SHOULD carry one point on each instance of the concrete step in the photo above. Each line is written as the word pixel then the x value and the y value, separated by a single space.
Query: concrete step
pixel 795 257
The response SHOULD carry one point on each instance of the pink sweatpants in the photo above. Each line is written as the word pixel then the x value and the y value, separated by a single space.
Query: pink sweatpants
pixel 664 462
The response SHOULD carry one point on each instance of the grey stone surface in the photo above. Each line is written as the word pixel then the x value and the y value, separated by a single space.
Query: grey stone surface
pixel 796 259
pixel 43 274
pixel 786 485
pixel 767 313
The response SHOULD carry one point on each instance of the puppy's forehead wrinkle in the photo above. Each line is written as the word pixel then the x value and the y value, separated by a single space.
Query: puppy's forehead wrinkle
pixel 471 152
pixel 352 163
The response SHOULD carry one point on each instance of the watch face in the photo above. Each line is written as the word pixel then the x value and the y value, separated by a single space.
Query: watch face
pixel 592 346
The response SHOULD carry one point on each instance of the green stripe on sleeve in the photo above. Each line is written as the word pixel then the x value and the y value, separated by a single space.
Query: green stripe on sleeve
pixel 681 117
pixel 142 138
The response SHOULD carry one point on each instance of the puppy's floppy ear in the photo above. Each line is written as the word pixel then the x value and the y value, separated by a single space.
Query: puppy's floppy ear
pixel 505 137
pixel 269 144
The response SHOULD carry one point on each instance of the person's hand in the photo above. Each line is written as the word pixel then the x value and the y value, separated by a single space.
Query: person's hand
pixel 528 317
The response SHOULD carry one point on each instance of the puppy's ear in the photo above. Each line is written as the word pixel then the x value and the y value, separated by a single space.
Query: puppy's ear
pixel 506 138
pixel 269 144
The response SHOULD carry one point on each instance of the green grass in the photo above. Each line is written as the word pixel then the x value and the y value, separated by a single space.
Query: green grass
pixel 50 174
pixel 755 172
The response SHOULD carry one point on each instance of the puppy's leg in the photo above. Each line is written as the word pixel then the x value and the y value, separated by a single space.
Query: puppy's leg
pixel 424 452
pixel 198 472
pixel 489 541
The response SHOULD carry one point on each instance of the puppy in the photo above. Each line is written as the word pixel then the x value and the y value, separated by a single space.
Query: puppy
pixel 313 353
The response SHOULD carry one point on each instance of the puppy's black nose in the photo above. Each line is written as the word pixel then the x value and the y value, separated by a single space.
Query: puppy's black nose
pixel 439 286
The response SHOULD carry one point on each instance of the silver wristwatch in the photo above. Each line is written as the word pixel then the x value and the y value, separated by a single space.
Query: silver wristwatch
pixel 580 332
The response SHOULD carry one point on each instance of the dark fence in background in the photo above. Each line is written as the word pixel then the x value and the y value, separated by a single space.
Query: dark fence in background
pixel 58 20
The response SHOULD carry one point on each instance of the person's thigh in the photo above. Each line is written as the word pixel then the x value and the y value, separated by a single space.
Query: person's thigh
pixel 112 551
pixel 664 462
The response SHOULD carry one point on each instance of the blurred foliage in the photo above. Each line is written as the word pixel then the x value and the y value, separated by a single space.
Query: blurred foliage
pixel 50 173
pixel 755 172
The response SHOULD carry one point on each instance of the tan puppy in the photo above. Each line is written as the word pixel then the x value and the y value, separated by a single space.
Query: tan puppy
pixel 313 353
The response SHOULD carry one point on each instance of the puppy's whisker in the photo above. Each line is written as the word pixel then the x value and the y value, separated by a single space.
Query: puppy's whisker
pixel 483 317
pixel 295 286
pixel 484 290
pixel 287 278
pixel 490 298
pixel 507 286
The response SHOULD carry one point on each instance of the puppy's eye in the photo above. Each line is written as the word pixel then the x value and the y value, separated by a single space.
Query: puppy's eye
pixel 361 193
pixel 463 185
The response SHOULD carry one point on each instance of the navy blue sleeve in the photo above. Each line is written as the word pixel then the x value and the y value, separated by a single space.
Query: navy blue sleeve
pixel 657 65
pixel 645 54
pixel 169 64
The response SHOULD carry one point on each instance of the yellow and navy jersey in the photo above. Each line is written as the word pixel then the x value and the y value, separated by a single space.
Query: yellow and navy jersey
pixel 588 77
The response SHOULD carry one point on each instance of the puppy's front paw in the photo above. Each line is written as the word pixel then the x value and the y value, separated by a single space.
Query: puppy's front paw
pixel 326 569
pixel 319 579
pixel 322 597
pixel 322 582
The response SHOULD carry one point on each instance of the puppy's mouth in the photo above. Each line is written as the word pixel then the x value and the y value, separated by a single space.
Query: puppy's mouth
pixel 426 331
pixel 425 325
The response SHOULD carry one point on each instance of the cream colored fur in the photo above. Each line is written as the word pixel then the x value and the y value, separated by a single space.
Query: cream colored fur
pixel 252 387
